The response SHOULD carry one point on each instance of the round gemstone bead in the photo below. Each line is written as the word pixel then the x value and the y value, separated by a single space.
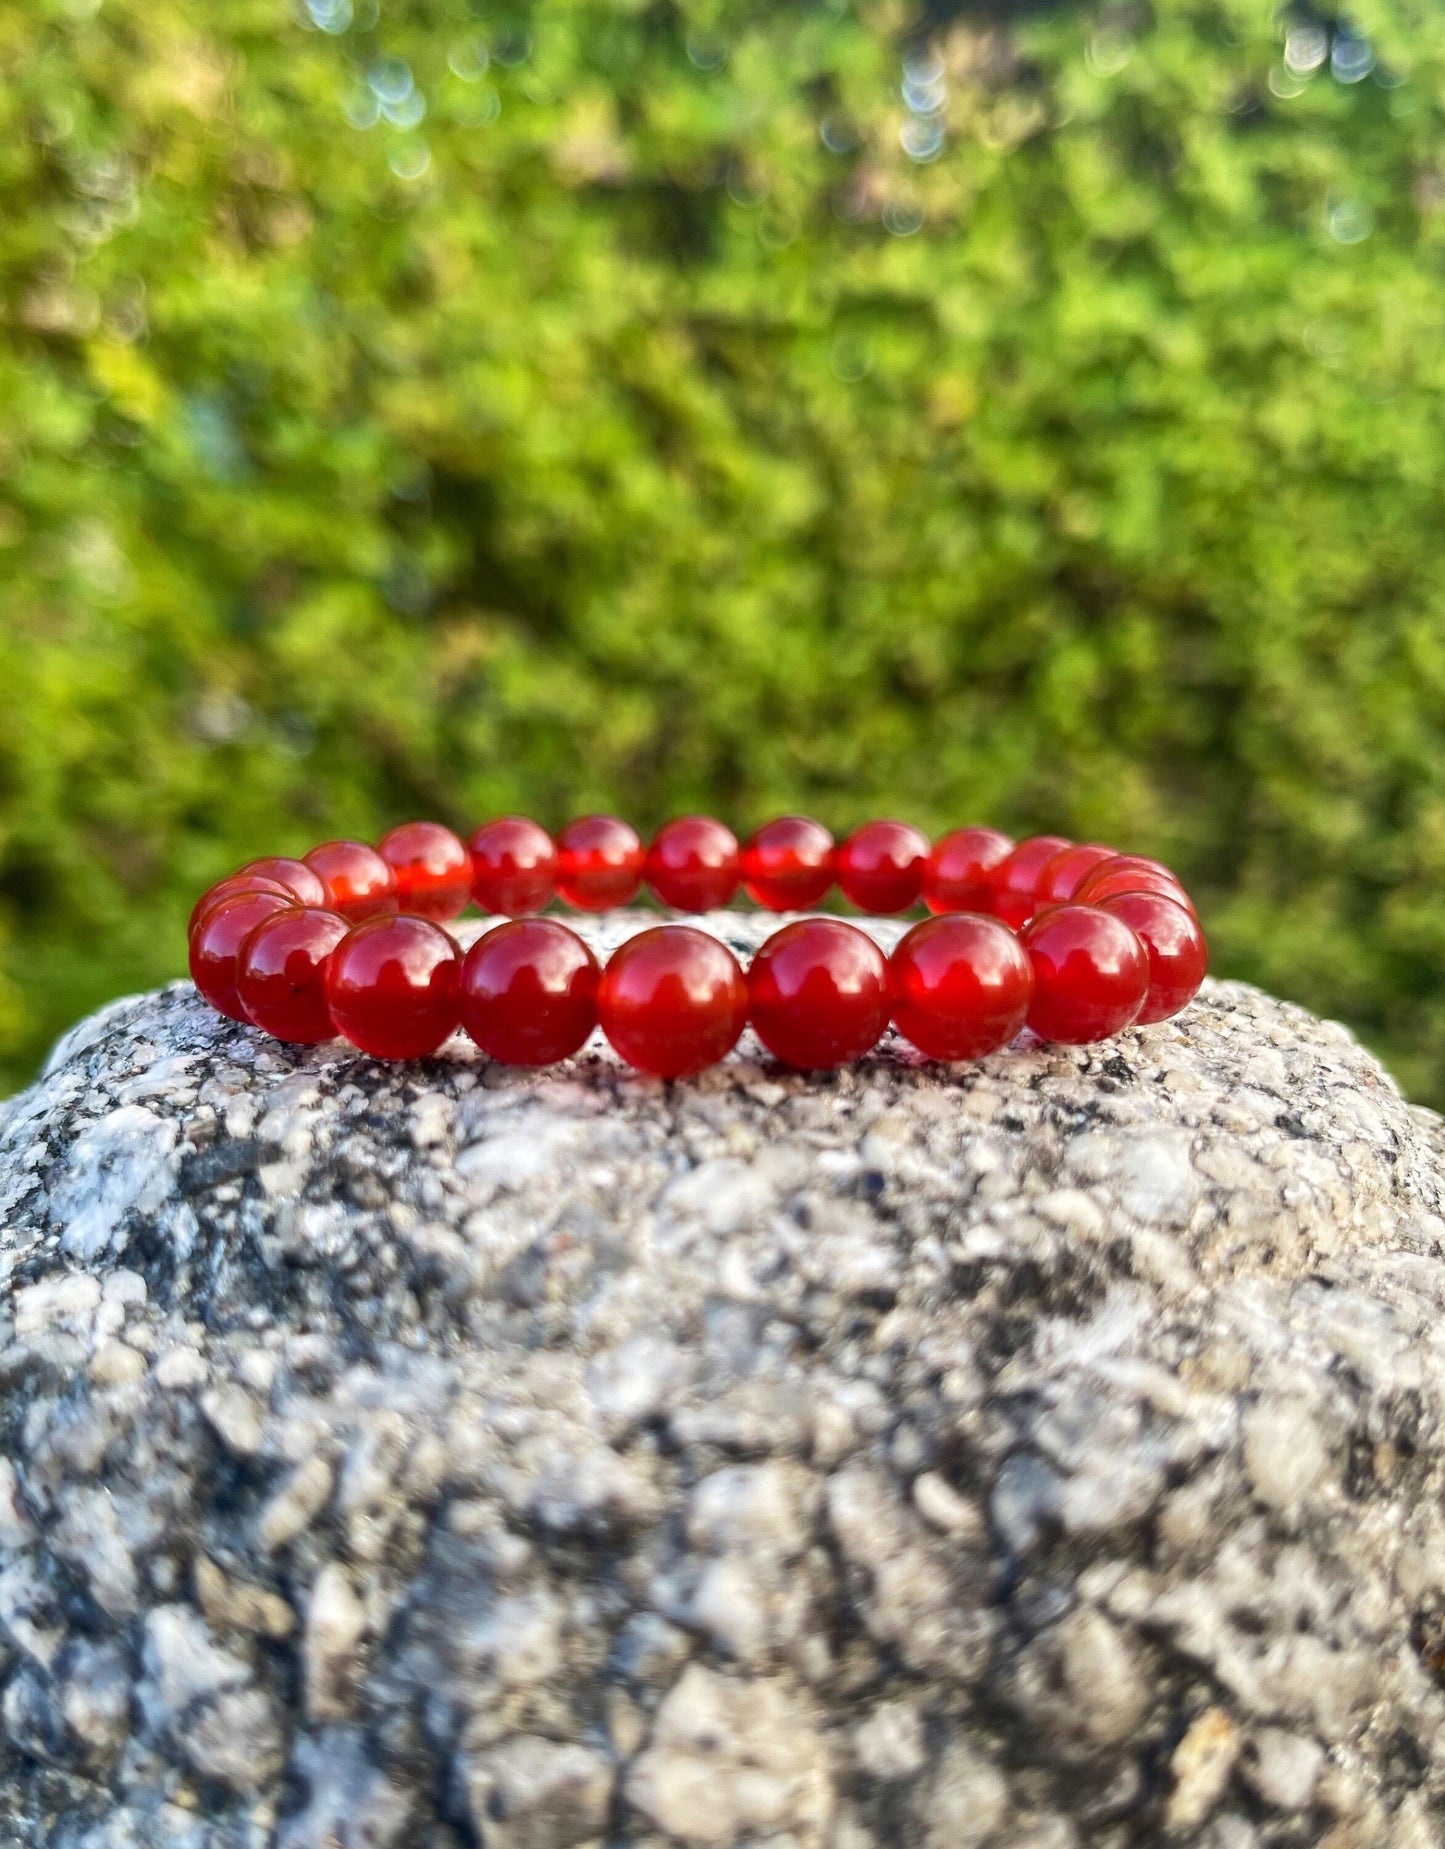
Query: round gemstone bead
pixel 599 863
pixel 1013 883
pixel 1091 974
pixel 514 866
pixel 788 864
pixel 391 987
pixel 431 867
pixel 294 875
pixel 529 992
pixel 1131 873
pixel 672 1000
pixel 1172 940
pixel 818 993
pixel 1065 873
pixel 961 986
pixel 694 864
pixel 215 945
pixel 955 875
pixel 880 866
pixel 281 973
pixel 229 888
pixel 358 882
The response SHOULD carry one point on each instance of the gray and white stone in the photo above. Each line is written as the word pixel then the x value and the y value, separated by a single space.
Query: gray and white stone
pixel 1032 1454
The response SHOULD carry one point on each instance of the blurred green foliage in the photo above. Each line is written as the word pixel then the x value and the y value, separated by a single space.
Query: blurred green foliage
pixel 647 403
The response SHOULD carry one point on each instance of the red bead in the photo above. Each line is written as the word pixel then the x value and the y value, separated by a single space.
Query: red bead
pixel 1065 873
pixel 880 866
pixel 961 986
pixel 1091 974
pixel 432 869
pixel 294 875
pixel 391 987
pixel 1172 940
pixel 788 864
pixel 229 888
pixel 694 864
pixel 672 1000
pixel 358 882
pixel 1013 883
pixel 818 993
pixel 1131 873
pixel 215 945
pixel 281 973
pixel 514 866
pixel 955 876
pixel 599 863
pixel 529 992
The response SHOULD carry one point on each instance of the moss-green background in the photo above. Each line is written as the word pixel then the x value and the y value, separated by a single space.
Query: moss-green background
pixel 572 404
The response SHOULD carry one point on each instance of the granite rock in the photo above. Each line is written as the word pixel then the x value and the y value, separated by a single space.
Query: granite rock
pixel 1044 1452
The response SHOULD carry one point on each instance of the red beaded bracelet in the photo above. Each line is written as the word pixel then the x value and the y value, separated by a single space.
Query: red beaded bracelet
pixel 1072 940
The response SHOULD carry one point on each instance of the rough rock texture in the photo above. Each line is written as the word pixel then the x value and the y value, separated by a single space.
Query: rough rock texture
pixel 1040 1453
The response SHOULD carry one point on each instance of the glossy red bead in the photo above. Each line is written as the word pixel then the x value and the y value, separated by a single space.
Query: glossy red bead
pixel 961 986
pixel 1065 873
pixel 229 888
pixel 818 993
pixel 529 992
pixel 1131 873
pixel 215 945
pixel 694 864
pixel 358 882
pixel 672 1000
pixel 788 864
pixel 431 867
pixel 391 987
pixel 514 866
pixel 281 973
pixel 880 866
pixel 599 863
pixel 1091 974
pixel 955 875
pixel 294 875
pixel 1013 883
pixel 1172 940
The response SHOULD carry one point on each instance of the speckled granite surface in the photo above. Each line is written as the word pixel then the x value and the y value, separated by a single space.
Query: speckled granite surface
pixel 1036 1453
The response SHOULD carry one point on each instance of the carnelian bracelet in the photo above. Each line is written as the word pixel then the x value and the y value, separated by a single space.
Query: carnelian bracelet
pixel 1074 941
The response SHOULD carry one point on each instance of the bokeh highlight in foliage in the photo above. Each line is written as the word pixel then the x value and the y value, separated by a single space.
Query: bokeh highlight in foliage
pixel 441 408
